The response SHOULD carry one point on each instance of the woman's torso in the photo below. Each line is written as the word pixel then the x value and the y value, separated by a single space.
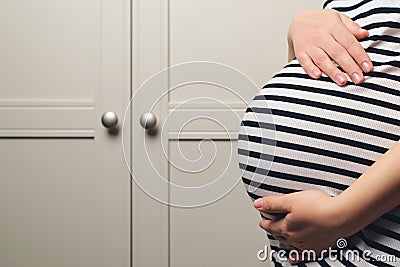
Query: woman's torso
pixel 324 136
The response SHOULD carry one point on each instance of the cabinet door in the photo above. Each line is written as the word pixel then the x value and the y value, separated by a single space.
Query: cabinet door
pixel 195 144
pixel 64 186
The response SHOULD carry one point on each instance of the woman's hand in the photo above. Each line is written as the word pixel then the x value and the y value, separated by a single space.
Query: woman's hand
pixel 316 37
pixel 313 220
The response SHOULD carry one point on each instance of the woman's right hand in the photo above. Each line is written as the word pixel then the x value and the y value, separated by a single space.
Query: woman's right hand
pixel 316 37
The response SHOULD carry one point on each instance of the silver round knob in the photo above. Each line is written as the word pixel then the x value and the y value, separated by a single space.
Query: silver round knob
pixel 109 119
pixel 148 121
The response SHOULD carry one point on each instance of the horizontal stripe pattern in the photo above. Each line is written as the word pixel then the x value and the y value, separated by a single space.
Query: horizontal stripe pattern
pixel 300 134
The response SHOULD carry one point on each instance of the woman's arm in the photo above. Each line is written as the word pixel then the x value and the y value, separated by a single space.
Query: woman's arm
pixel 316 37
pixel 314 220
pixel 376 192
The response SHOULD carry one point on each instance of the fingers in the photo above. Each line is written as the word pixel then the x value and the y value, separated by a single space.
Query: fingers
pixel 318 38
pixel 353 27
pixel 325 64
pixel 353 48
pixel 309 66
pixel 276 228
pixel 353 59
pixel 344 59
pixel 272 204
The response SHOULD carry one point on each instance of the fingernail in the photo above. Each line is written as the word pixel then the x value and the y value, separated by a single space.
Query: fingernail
pixel 365 66
pixel 315 73
pixel 258 203
pixel 356 78
pixel 340 79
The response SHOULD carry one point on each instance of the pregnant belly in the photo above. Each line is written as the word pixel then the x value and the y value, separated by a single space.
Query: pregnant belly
pixel 300 134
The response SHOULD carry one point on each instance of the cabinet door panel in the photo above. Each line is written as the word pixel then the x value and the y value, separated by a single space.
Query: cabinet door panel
pixel 64 185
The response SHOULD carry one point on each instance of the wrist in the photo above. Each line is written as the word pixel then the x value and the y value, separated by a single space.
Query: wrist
pixel 344 217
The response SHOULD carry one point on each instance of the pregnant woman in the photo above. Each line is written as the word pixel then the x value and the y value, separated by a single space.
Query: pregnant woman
pixel 322 160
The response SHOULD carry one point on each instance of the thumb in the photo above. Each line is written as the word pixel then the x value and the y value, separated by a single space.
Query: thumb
pixel 353 27
pixel 272 204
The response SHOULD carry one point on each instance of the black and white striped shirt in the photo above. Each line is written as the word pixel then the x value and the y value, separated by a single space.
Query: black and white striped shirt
pixel 300 134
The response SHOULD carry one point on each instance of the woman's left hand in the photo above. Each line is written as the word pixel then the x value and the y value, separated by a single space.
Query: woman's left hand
pixel 313 220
